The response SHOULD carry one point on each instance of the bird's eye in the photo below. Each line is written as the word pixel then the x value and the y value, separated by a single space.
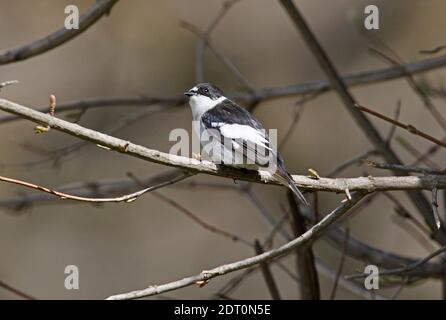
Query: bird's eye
pixel 205 90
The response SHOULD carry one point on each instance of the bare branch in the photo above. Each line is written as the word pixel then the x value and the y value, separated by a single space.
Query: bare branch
pixel 125 198
pixel 338 84
pixel 350 162
pixel 310 235
pixel 93 14
pixel 93 103
pixel 433 51
pixel 368 184
pixel 407 127
pixel 7 83
pixel 406 169
pixel 404 270
pixel 16 291
pixel 419 91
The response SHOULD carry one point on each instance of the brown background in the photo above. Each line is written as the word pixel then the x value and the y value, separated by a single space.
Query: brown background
pixel 140 49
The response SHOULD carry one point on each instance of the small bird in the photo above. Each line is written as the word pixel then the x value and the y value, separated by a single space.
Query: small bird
pixel 234 137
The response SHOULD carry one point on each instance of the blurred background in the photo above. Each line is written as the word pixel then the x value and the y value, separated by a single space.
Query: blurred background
pixel 142 49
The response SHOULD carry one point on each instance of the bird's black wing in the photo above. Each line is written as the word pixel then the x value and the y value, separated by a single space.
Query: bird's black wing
pixel 231 113
pixel 249 137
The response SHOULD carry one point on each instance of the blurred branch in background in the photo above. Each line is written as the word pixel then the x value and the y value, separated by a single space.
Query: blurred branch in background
pixel 305 221
pixel 207 275
pixel 93 14
pixel 367 184
pixel 305 262
pixel 418 199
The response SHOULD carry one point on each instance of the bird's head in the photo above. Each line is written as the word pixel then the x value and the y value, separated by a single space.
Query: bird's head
pixel 206 90
pixel 204 96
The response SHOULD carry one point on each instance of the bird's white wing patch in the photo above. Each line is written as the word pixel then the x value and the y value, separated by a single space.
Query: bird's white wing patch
pixel 243 132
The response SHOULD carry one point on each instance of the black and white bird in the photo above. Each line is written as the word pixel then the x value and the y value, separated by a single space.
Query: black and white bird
pixel 234 137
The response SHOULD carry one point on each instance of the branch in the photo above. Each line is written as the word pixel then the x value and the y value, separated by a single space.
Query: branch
pixel 7 83
pixel 93 14
pixel 308 236
pixel 368 184
pixel 335 235
pixel 360 78
pixel 16 291
pixel 93 103
pixel 407 127
pixel 125 198
pixel 337 83
pixel 403 270
pixel 406 169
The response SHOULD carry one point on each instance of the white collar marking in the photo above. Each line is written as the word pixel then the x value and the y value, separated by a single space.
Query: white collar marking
pixel 200 104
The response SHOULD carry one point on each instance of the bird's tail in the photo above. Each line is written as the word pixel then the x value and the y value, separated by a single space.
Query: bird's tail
pixel 287 180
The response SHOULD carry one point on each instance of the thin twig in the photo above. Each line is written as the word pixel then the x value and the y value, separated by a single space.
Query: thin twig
pixel 350 162
pixel 403 270
pixel 404 213
pixel 433 51
pixel 407 127
pixel 16 291
pixel 420 92
pixel 125 198
pixel 424 158
pixel 406 169
pixel 106 102
pixel 299 108
pixel 393 128
pixel 205 38
pixel 7 83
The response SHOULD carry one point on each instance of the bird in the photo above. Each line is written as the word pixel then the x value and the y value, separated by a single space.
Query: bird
pixel 230 135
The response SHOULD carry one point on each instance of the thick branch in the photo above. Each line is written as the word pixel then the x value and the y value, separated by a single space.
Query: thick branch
pixel 368 184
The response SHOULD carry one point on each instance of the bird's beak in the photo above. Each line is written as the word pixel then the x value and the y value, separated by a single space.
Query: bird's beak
pixel 189 93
